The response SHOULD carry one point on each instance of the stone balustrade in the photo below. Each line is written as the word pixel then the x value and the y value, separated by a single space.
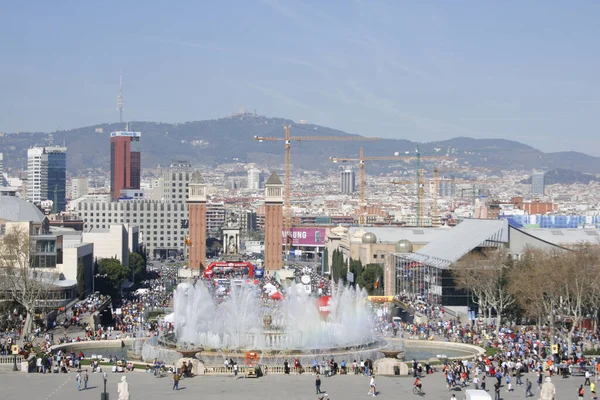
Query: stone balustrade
pixel 10 359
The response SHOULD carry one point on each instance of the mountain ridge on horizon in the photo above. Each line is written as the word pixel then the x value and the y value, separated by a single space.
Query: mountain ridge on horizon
pixel 223 139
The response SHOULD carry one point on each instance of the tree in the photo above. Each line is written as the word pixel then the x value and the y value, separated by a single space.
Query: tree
pixel 486 276
pixel 535 288
pixel 371 278
pixel 137 264
pixel 20 281
pixel 116 273
pixel 80 279
pixel 338 269
pixel 357 269
pixel 578 271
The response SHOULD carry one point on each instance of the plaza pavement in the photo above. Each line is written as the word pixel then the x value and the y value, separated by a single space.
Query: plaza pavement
pixel 18 385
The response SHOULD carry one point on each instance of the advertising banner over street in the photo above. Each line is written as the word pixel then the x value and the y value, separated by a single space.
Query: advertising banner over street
pixel 305 237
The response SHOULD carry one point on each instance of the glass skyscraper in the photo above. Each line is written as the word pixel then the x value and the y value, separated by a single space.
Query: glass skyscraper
pixel 47 175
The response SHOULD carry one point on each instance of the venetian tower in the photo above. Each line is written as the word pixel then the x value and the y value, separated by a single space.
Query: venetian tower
pixel 197 222
pixel 273 222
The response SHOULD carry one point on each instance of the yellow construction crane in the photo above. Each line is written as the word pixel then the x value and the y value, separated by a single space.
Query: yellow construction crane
pixel 287 220
pixel 361 162
pixel 421 194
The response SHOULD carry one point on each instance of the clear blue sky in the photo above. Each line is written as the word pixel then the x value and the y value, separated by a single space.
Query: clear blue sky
pixel 522 70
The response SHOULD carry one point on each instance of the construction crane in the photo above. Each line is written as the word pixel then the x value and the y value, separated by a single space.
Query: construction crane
pixel 361 162
pixel 421 194
pixel 287 220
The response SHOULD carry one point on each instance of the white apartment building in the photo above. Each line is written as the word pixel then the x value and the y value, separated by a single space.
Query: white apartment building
pixel 253 178
pixel 37 170
pixel 79 187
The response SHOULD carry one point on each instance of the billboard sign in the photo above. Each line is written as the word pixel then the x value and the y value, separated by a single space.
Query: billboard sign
pixel 304 237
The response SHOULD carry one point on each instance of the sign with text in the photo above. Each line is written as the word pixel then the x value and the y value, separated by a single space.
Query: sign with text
pixel 304 237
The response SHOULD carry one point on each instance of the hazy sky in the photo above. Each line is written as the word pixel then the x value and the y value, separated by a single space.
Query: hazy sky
pixel 523 70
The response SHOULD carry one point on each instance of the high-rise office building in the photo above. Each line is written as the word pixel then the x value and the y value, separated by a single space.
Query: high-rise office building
pixel 347 181
pixel 47 175
pixel 125 161
pixel 253 178
pixel 176 180
pixel 537 183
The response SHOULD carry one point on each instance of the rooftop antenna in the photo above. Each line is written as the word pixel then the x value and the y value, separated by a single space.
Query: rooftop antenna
pixel 120 98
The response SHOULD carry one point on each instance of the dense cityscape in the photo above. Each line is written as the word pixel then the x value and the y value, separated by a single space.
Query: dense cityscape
pixel 452 251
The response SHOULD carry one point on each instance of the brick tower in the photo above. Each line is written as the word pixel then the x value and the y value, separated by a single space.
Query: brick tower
pixel 273 222
pixel 197 222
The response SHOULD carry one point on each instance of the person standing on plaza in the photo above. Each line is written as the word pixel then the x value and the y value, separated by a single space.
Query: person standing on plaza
pixel 580 392
pixel 497 390
pixel 78 379
pixel 593 389
pixel 175 381
pixel 528 388
pixel 318 384
pixel 588 375
pixel 85 379
pixel 235 369
pixel 123 389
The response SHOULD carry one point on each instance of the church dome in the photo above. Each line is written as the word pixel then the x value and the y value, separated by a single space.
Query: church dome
pixel 369 238
pixel 404 246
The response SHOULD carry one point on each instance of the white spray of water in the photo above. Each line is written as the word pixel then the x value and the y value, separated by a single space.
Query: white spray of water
pixel 297 324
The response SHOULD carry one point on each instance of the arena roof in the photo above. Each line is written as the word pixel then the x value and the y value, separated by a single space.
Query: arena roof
pixel 392 234
pixel 460 241
pixel 16 209
pixel 565 236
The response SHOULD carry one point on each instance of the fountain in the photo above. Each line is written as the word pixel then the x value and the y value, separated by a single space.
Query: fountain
pixel 293 327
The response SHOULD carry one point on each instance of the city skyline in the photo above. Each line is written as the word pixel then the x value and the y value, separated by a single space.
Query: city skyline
pixel 429 71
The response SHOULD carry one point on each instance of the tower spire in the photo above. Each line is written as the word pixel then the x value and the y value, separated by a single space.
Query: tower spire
pixel 120 98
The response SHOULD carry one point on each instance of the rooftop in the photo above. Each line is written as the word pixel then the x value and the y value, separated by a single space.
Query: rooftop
pixel 18 210
pixel 459 241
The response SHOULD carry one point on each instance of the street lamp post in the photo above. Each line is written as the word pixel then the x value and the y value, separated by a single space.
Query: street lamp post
pixel 104 396
pixel 15 363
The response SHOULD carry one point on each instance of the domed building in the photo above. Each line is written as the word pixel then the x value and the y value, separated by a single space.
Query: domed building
pixel 404 246
pixel 369 238
pixel 376 245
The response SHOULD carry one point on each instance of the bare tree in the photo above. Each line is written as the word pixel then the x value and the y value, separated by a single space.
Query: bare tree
pixel 486 276
pixel 578 271
pixel 19 281
pixel 467 277
pixel 535 288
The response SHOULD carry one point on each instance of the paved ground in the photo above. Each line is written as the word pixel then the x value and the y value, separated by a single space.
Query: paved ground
pixel 145 386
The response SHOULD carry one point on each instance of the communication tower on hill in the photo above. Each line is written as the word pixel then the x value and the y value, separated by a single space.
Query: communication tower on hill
pixel 120 98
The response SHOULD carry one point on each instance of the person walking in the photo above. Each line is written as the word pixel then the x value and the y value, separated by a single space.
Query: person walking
pixel 593 389
pixel 235 370
pixel 528 392
pixel 85 379
pixel 372 386
pixel 580 392
pixel 176 380
pixel 78 379
pixel 318 384
pixel 588 375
